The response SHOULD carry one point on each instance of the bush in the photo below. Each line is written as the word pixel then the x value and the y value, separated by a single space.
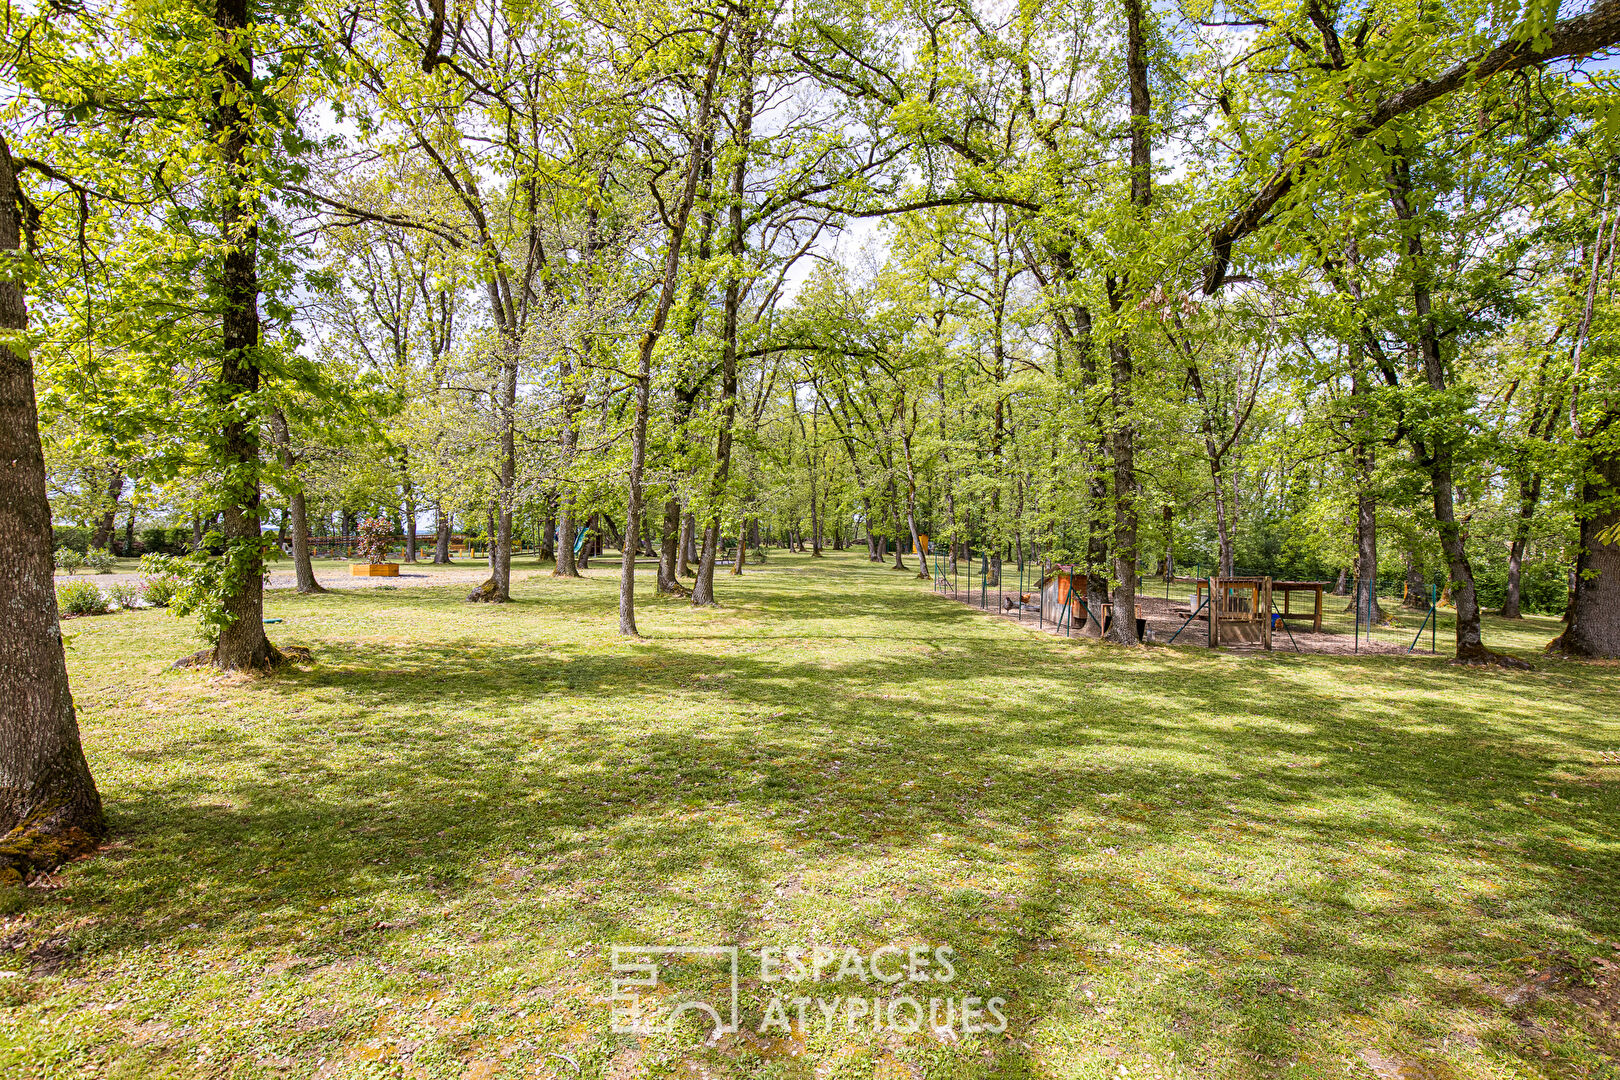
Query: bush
pixel 100 560
pixel 81 598
pixel 126 594
pixel 159 589
pixel 69 560
pixel 376 537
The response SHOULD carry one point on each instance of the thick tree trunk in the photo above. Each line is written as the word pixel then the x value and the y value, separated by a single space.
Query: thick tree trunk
pixel 669 554
pixel 689 552
pixel 129 534
pixel 49 808
pixel 1592 625
pixel 303 569
pixel 242 644
pixel 441 536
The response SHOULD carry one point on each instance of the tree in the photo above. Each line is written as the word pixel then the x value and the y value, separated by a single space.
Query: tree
pixel 50 810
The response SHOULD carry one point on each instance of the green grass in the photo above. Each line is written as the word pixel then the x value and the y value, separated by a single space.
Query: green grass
pixel 410 858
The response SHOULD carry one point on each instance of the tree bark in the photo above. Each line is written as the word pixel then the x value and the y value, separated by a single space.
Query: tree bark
pixel 303 569
pixel 1593 623
pixel 1123 440
pixel 441 536
pixel 242 643
pixel 1529 497
pixel 498 589
pixel 669 554
pixel 50 810
pixel 689 552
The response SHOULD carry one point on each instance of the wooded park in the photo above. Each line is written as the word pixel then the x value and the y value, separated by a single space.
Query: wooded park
pixel 1116 502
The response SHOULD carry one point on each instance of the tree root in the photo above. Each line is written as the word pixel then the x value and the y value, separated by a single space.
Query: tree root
pixel 45 841
pixel 488 593
pixel 1479 656
pixel 1560 646
pixel 292 654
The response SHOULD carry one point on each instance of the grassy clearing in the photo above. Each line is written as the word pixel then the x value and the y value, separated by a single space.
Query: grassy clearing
pixel 410 858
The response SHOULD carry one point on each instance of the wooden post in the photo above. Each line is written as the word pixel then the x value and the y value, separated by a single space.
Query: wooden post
pixel 1214 616
pixel 1265 612
pixel 1317 622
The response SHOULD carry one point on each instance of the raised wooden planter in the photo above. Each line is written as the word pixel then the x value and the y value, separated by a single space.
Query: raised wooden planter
pixel 382 569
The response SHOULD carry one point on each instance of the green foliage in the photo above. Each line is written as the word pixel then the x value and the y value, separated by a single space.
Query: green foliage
pixel 100 560
pixel 81 598
pixel 161 541
pixel 70 560
pixel 74 537
pixel 204 583
pixel 126 594
pixel 159 589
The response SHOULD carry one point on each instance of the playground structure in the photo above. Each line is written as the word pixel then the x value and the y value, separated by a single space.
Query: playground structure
pixel 1057 602
pixel 1235 610
pixel 1238 612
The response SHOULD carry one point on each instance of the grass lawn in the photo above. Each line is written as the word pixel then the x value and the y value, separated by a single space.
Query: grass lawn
pixel 411 858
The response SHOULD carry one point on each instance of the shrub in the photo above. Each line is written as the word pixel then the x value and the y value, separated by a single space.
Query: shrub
pixel 69 560
pixel 81 598
pixel 74 537
pixel 126 594
pixel 159 589
pixel 376 537
pixel 100 560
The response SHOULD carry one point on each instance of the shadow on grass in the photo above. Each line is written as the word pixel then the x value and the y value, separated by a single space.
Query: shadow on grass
pixel 1232 859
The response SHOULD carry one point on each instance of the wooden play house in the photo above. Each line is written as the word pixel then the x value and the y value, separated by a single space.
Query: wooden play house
pixel 1236 609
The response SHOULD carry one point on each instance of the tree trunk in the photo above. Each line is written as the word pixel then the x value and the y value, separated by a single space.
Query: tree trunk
pixel 666 299
pixel 102 537
pixel 1593 623
pixel 688 546
pixel 49 808
pixel 410 513
pixel 129 533
pixel 242 644
pixel 498 589
pixel 742 548
pixel 1529 496
pixel 669 554
pixel 303 570
pixel 441 536
pixel 1437 454
pixel 1417 586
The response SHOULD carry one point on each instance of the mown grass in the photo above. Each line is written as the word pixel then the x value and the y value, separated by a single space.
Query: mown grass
pixel 410 858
